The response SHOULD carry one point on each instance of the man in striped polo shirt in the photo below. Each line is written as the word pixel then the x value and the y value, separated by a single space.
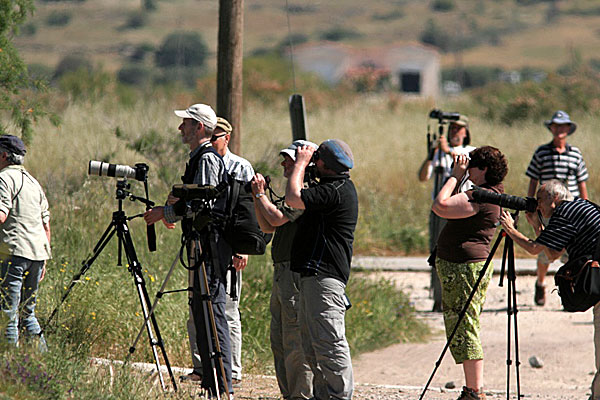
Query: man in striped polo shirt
pixel 556 160
pixel 574 226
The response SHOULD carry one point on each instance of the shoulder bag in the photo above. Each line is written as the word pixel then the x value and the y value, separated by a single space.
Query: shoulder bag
pixel 578 282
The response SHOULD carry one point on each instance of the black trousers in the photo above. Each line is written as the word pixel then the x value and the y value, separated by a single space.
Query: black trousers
pixel 216 284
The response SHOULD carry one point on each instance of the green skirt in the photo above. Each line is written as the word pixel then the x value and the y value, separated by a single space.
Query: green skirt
pixel 458 280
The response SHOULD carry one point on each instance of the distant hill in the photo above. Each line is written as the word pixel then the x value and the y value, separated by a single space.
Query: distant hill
pixel 508 33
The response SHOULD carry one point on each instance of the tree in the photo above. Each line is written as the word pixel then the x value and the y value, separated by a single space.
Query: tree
pixel 14 76
pixel 182 49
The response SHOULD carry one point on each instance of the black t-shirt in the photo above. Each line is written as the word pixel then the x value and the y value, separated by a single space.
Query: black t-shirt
pixel 323 241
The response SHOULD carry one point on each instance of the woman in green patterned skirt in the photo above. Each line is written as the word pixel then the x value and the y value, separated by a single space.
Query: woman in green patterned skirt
pixel 463 246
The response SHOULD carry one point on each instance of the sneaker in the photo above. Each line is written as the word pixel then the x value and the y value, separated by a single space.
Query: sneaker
pixel 540 294
pixel 470 394
pixel 192 377
pixel 236 383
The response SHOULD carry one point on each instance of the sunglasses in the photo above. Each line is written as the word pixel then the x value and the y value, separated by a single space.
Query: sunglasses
pixel 214 138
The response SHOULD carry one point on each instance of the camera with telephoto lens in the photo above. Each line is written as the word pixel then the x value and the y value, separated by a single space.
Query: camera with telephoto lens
pixel 528 204
pixel 441 115
pixel 100 168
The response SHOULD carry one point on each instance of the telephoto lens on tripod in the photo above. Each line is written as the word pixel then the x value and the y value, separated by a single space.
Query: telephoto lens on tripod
pixel 441 115
pixel 505 200
pixel 100 168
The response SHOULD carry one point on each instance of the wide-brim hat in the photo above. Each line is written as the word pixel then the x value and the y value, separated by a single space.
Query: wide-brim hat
pixel 291 149
pixel 463 121
pixel 560 117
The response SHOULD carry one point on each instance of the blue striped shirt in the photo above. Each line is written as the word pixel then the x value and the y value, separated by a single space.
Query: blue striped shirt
pixel 574 226
pixel 569 166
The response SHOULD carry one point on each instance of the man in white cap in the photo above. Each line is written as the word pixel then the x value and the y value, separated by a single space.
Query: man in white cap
pixel 293 373
pixel 206 167
pixel 555 160
pixel 322 254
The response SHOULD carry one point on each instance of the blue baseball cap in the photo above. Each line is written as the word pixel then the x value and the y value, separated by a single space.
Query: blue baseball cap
pixel 13 144
pixel 336 155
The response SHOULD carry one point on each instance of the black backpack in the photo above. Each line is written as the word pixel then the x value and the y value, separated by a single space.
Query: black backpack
pixel 238 224
pixel 241 226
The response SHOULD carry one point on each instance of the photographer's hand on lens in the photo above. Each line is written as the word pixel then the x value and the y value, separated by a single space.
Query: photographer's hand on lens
pixel 154 215
pixel 443 144
pixel 304 155
pixel 534 221
pixel 507 221
pixel 172 199
pixel 240 261
pixel 461 164
pixel 259 184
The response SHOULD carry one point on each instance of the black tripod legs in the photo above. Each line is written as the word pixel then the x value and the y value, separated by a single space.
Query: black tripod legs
pixel 212 331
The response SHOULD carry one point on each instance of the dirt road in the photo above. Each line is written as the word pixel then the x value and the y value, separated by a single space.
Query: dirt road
pixel 562 341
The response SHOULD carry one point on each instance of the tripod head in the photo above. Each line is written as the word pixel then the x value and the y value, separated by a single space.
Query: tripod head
pixel 123 191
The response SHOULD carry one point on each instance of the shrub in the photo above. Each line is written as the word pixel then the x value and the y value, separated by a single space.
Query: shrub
pixel 29 29
pixel 390 16
pixel 442 5
pixel 84 83
pixel 140 51
pixel 135 20
pixel 40 72
pixel 135 74
pixel 58 18
pixel 339 33
pixel 149 5
pixel 186 75
pixel 72 63
pixel 295 39
pixel 301 9
pixel 472 76
pixel 182 49
pixel 435 36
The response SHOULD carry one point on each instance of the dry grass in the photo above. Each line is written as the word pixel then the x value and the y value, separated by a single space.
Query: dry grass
pixel 532 41
pixel 388 141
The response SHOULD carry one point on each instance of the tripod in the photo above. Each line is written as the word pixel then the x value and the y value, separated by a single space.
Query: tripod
pixel 508 258
pixel 119 226
pixel 202 306
pixel 436 223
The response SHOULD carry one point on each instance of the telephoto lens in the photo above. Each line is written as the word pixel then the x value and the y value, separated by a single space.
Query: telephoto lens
pixel 100 168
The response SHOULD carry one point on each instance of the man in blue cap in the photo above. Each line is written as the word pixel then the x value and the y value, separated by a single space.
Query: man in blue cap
pixel 24 241
pixel 322 254
pixel 555 160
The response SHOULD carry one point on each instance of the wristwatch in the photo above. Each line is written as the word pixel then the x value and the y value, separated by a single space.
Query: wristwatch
pixel 259 195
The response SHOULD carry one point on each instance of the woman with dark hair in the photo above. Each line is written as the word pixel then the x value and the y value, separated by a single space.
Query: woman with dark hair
pixel 463 246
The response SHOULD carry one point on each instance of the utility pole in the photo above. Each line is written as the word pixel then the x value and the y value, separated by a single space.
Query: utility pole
pixel 229 67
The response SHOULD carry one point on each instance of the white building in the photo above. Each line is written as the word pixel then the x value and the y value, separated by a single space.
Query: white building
pixel 413 69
